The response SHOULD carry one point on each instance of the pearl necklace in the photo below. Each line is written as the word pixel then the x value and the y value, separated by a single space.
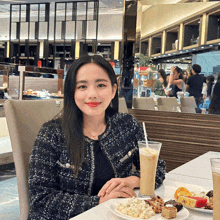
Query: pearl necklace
pixel 93 136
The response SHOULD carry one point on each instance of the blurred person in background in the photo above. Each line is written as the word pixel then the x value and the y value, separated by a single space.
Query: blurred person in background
pixel 176 83
pixel 161 83
pixel 214 107
pixel 207 92
pixel 185 76
pixel 194 86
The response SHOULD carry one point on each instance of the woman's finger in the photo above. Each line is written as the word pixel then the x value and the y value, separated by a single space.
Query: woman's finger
pixel 121 185
pixel 112 186
pixel 128 191
pixel 103 189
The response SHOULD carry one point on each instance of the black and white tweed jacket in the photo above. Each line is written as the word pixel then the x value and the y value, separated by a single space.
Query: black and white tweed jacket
pixel 55 193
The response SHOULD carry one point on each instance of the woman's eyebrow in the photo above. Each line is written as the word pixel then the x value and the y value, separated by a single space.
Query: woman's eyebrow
pixel 101 80
pixel 85 81
pixel 81 81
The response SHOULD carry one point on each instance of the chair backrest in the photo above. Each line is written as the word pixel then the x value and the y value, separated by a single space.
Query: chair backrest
pixel 146 103
pixel 188 102
pixel 187 109
pixel 122 106
pixel 24 120
pixel 169 104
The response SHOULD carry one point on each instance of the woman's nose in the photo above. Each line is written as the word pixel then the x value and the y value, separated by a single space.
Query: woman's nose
pixel 92 92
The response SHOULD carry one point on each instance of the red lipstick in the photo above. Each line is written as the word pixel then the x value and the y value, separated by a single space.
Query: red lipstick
pixel 93 104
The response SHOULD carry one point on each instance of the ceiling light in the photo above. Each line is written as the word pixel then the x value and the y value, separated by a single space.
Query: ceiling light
pixel 202 47
pixel 158 56
pixel 155 57
pixel 169 54
pixel 174 53
pixel 211 45
pixel 194 49
pixel 181 51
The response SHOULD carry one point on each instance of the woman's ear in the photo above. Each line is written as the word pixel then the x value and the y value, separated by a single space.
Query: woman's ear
pixel 114 89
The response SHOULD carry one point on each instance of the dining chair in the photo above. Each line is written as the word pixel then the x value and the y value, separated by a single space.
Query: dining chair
pixel 24 119
pixel 122 106
pixel 168 104
pixel 188 104
pixel 146 103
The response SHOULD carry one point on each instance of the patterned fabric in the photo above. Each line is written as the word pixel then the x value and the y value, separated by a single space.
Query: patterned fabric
pixel 55 192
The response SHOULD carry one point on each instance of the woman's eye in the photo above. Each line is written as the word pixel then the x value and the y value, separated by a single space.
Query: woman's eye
pixel 81 87
pixel 101 85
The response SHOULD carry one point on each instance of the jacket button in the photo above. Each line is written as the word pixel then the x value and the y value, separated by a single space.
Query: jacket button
pixel 67 165
pixel 129 153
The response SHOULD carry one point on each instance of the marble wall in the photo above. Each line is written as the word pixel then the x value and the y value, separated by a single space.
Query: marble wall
pixel 207 61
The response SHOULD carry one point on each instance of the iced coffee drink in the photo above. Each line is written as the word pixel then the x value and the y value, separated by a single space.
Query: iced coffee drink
pixel 216 187
pixel 148 165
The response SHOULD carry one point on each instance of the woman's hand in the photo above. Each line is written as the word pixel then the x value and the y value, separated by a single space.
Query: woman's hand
pixel 124 192
pixel 119 183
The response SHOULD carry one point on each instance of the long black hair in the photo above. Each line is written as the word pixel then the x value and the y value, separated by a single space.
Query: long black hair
pixel 179 70
pixel 72 117
pixel 214 107
pixel 210 84
pixel 164 76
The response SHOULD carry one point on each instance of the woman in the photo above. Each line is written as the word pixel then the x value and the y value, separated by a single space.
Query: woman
pixel 161 83
pixel 176 83
pixel 214 107
pixel 84 156
pixel 185 76
pixel 207 90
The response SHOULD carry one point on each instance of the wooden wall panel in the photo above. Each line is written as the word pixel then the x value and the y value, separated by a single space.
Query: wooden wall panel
pixel 184 136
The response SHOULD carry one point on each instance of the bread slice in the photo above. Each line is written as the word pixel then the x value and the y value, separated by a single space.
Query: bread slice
pixel 156 203
pixel 169 212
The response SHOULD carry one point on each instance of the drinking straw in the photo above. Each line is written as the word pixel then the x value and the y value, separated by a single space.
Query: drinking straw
pixel 145 134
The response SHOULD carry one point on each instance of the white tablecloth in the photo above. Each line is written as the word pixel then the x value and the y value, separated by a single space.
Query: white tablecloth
pixel 195 175
pixel 200 167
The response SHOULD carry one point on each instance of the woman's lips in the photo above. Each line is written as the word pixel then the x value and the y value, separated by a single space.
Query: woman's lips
pixel 93 104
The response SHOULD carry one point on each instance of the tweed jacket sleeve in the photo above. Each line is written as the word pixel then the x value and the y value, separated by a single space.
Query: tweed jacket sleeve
pixel 47 199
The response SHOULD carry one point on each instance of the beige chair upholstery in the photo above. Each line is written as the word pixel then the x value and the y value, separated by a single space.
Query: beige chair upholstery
pixel 188 104
pixel 146 103
pixel 24 120
pixel 168 104
pixel 122 106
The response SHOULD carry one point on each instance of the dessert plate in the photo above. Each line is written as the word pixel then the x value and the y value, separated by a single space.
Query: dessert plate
pixel 182 214
pixel 200 210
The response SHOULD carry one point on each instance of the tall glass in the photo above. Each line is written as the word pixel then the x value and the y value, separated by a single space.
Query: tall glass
pixel 148 166
pixel 215 163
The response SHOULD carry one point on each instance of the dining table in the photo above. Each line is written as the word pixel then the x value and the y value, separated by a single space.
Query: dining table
pixel 195 175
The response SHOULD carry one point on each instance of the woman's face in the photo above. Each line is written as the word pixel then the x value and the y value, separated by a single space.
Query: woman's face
pixel 94 91
pixel 176 75
pixel 185 75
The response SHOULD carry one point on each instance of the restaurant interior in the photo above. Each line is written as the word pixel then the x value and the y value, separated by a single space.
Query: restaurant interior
pixel 40 40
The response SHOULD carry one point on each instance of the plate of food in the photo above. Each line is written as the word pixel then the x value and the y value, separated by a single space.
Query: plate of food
pixel 197 201
pixel 153 209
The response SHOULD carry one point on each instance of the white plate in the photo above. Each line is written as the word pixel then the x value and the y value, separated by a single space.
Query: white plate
pixel 200 210
pixel 182 214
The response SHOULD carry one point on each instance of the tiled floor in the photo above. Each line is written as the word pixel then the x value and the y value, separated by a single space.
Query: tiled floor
pixel 9 204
